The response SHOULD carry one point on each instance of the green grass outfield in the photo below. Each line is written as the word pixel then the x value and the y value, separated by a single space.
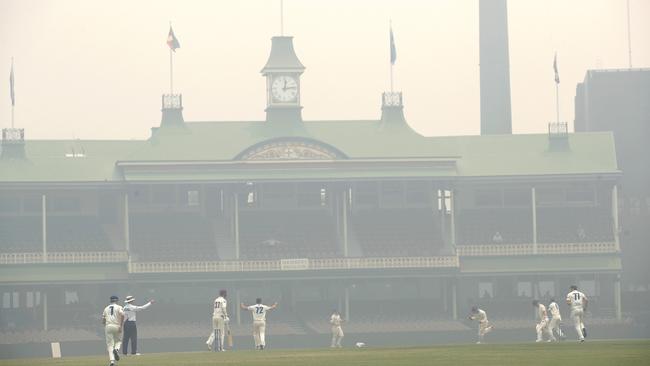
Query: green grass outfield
pixel 594 353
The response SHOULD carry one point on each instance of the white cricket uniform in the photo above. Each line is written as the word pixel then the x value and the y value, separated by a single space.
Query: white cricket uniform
pixel 542 324
pixel 556 319
pixel 484 326
pixel 219 318
pixel 337 331
pixel 576 301
pixel 259 323
pixel 112 315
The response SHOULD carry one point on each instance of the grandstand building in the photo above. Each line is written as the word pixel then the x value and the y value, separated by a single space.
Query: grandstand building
pixel 313 214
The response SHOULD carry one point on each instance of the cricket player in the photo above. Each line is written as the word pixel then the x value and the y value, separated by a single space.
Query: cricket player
pixel 542 327
pixel 219 320
pixel 112 319
pixel 578 303
pixel 556 319
pixel 484 326
pixel 337 331
pixel 259 320
pixel 130 328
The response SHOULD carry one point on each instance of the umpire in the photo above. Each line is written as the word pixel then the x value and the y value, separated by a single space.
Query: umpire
pixel 130 329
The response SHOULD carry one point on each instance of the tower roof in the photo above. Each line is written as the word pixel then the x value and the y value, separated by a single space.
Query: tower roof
pixel 282 57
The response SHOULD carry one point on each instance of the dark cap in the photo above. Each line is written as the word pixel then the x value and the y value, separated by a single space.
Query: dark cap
pixel 114 298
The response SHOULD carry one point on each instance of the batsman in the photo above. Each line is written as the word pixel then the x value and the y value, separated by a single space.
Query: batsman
pixel 220 323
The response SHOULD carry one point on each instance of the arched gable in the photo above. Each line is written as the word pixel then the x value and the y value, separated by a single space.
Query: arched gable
pixel 291 148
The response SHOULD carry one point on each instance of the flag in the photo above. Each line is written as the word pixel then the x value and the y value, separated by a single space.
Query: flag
pixel 172 42
pixel 557 74
pixel 393 52
pixel 11 85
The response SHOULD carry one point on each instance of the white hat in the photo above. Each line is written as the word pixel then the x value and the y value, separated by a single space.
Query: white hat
pixel 129 299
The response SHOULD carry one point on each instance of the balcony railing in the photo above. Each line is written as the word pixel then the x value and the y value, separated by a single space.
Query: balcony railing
pixel 295 264
pixel 63 257
pixel 529 249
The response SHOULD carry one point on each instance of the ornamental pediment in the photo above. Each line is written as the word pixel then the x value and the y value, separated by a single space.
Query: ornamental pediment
pixel 291 150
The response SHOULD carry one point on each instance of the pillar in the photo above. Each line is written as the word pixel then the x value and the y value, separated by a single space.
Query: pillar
pixel 44 308
pixel 238 307
pixel 125 215
pixel 44 225
pixel 615 217
pixel 454 299
pixel 617 296
pixel 533 197
pixel 345 223
pixel 452 209
pixel 346 303
pixel 236 224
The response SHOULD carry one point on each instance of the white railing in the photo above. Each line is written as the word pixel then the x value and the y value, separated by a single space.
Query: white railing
pixel 295 264
pixel 63 257
pixel 529 249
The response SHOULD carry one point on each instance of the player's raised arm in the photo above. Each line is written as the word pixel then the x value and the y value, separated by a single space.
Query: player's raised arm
pixel 243 306
pixel 275 305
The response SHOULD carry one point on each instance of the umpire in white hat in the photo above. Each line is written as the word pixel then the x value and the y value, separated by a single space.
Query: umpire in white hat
pixel 130 329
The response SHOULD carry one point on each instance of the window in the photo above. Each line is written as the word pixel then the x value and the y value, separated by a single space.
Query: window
pixel 16 300
pixel 6 300
pixel 193 198
pixel 29 301
pixel 485 290
pixel 524 289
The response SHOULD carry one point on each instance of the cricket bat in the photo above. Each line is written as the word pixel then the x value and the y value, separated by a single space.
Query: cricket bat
pixel 229 334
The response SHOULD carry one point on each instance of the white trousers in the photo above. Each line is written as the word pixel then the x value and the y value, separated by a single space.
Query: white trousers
pixel 259 329
pixel 578 321
pixel 543 329
pixel 219 327
pixel 483 329
pixel 113 339
pixel 554 326
pixel 337 336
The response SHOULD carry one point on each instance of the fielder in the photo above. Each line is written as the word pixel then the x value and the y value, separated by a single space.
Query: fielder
pixel 542 327
pixel 484 326
pixel 578 303
pixel 337 331
pixel 556 319
pixel 112 319
pixel 259 321
pixel 219 321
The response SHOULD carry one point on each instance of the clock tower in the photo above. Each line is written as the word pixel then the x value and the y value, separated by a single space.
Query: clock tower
pixel 282 72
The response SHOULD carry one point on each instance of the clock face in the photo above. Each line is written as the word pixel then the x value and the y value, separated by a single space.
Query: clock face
pixel 284 89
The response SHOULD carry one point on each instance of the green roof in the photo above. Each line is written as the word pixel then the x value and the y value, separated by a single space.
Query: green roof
pixel 473 156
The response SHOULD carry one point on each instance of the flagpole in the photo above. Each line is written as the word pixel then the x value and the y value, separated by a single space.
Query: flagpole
pixel 557 102
pixel 390 27
pixel 171 72
pixel 13 92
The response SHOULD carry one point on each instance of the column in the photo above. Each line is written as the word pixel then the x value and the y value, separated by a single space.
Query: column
pixel 442 195
pixel 454 299
pixel 345 223
pixel 44 225
pixel 617 296
pixel 615 217
pixel 125 215
pixel 533 197
pixel 452 209
pixel 44 308
pixel 238 307
pixel 346 302
pixel 236 225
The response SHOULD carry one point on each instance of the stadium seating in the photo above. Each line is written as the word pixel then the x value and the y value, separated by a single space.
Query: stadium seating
pixel 172 237
pixel 476 227
pixel 76 233
pixel 562 225
pixel 282 235
pixel 20 234
pixel 397 233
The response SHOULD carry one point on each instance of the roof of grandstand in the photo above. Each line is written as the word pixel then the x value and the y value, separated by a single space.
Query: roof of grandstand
pixel 342 141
